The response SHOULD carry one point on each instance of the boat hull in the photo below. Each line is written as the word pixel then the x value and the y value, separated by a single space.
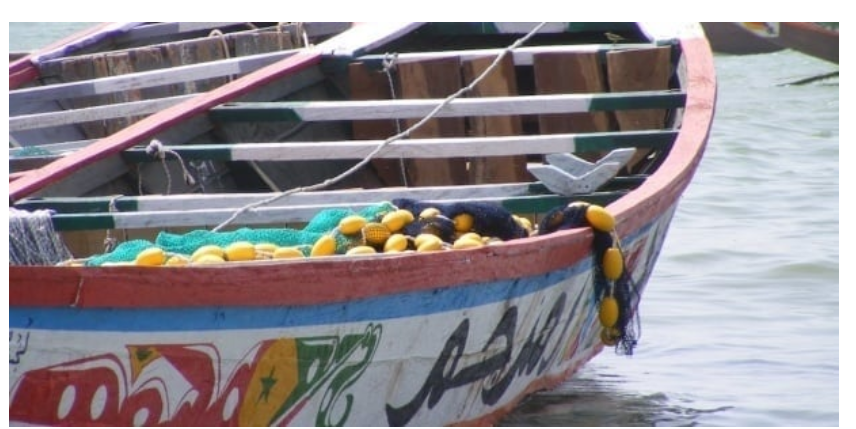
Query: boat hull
pixel 463 354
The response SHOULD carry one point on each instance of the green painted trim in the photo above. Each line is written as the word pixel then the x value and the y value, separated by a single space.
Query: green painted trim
pixel 545 203
pixel 83 222
pixel 638 100
pixel 459 28
pixel 275 111
pixel 255 112
pixel 210 152
pixel 609 141
pixel 71 205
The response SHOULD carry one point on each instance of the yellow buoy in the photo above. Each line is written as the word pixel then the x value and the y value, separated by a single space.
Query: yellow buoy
pixel 467 243
pixel 325 246
pixel 464 222
pixel 610 336
pixel 599 218
pixel 287 253
pixel 151 257
pixel 421 238
pixel 361 250
pixel 470 236
pixel 352 224
pixel 209 249
pixel 428 243
pixel 524 223
pixel 608 313
pixel 240 251
pixel 208 258
pixel 429 213
pixel 177 261
pixel 265 249
pixel 375 233
pixel 613 263
pixel 395 221
pixel 395 243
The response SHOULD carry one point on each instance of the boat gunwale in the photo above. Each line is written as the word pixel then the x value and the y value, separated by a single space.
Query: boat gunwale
pixel 144 287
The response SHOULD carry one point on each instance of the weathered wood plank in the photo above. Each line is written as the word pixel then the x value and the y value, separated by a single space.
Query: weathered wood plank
pixel 169 29
pixel 408 109
pixel 177 74
pixel 366 84
pixel 433 79
pixel 639 70
pixel 570 73
pixel 522 56
pixel 225 201
pixel 259 43
pixel 289 214
pixel 120 64
pixel 431 148
pixel 501 82
pixel 97 113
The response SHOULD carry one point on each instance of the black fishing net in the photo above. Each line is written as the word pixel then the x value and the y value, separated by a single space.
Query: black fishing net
pixel 627 329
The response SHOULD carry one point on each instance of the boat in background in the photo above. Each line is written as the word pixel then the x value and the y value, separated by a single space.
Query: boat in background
pixel 454 216
pixel 743 38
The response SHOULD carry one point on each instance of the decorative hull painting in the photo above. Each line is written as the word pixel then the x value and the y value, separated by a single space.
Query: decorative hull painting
pixel 428 358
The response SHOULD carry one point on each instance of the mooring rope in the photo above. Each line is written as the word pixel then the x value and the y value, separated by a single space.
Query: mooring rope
pixel 33 240
pixel 389 64
pixel 404 134
pixel 156 149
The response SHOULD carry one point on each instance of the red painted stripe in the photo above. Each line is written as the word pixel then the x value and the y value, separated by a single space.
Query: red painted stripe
pixel 307 282
pixel 150 126
pixel 23 70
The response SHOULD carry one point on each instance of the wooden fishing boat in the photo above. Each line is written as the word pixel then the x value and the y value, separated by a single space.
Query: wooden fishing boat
pixel 470 133
pixel 744 38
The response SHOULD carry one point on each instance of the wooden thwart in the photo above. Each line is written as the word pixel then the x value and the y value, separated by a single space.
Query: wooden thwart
pixel 432 148
pixel 461 107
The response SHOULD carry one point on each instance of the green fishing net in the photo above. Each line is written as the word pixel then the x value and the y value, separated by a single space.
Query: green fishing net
pixel 322 223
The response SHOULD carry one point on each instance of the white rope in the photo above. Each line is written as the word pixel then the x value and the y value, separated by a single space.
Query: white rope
pixel 389 63
pixel 385 143
pixel 156 149
pixel 110 241
pixel 33 240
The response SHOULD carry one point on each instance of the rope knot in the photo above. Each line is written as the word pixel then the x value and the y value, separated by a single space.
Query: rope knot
pixel 389 61
pixel 155 149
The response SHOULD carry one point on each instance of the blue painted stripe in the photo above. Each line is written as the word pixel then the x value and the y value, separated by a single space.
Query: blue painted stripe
pixel 220 318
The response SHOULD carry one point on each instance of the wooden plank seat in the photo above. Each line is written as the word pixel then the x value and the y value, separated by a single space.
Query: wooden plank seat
pixel 179 215
pixel 412 108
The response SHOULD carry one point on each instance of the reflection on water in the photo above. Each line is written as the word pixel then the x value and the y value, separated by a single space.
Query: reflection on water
pixel 597 398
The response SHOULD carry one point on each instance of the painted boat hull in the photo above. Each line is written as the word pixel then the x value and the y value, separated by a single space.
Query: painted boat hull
pixel 431 356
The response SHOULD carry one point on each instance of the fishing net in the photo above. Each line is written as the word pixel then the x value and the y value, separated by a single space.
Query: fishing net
pixel 627 329
pixel 32 239
pixel 489 220
pixel 322 223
